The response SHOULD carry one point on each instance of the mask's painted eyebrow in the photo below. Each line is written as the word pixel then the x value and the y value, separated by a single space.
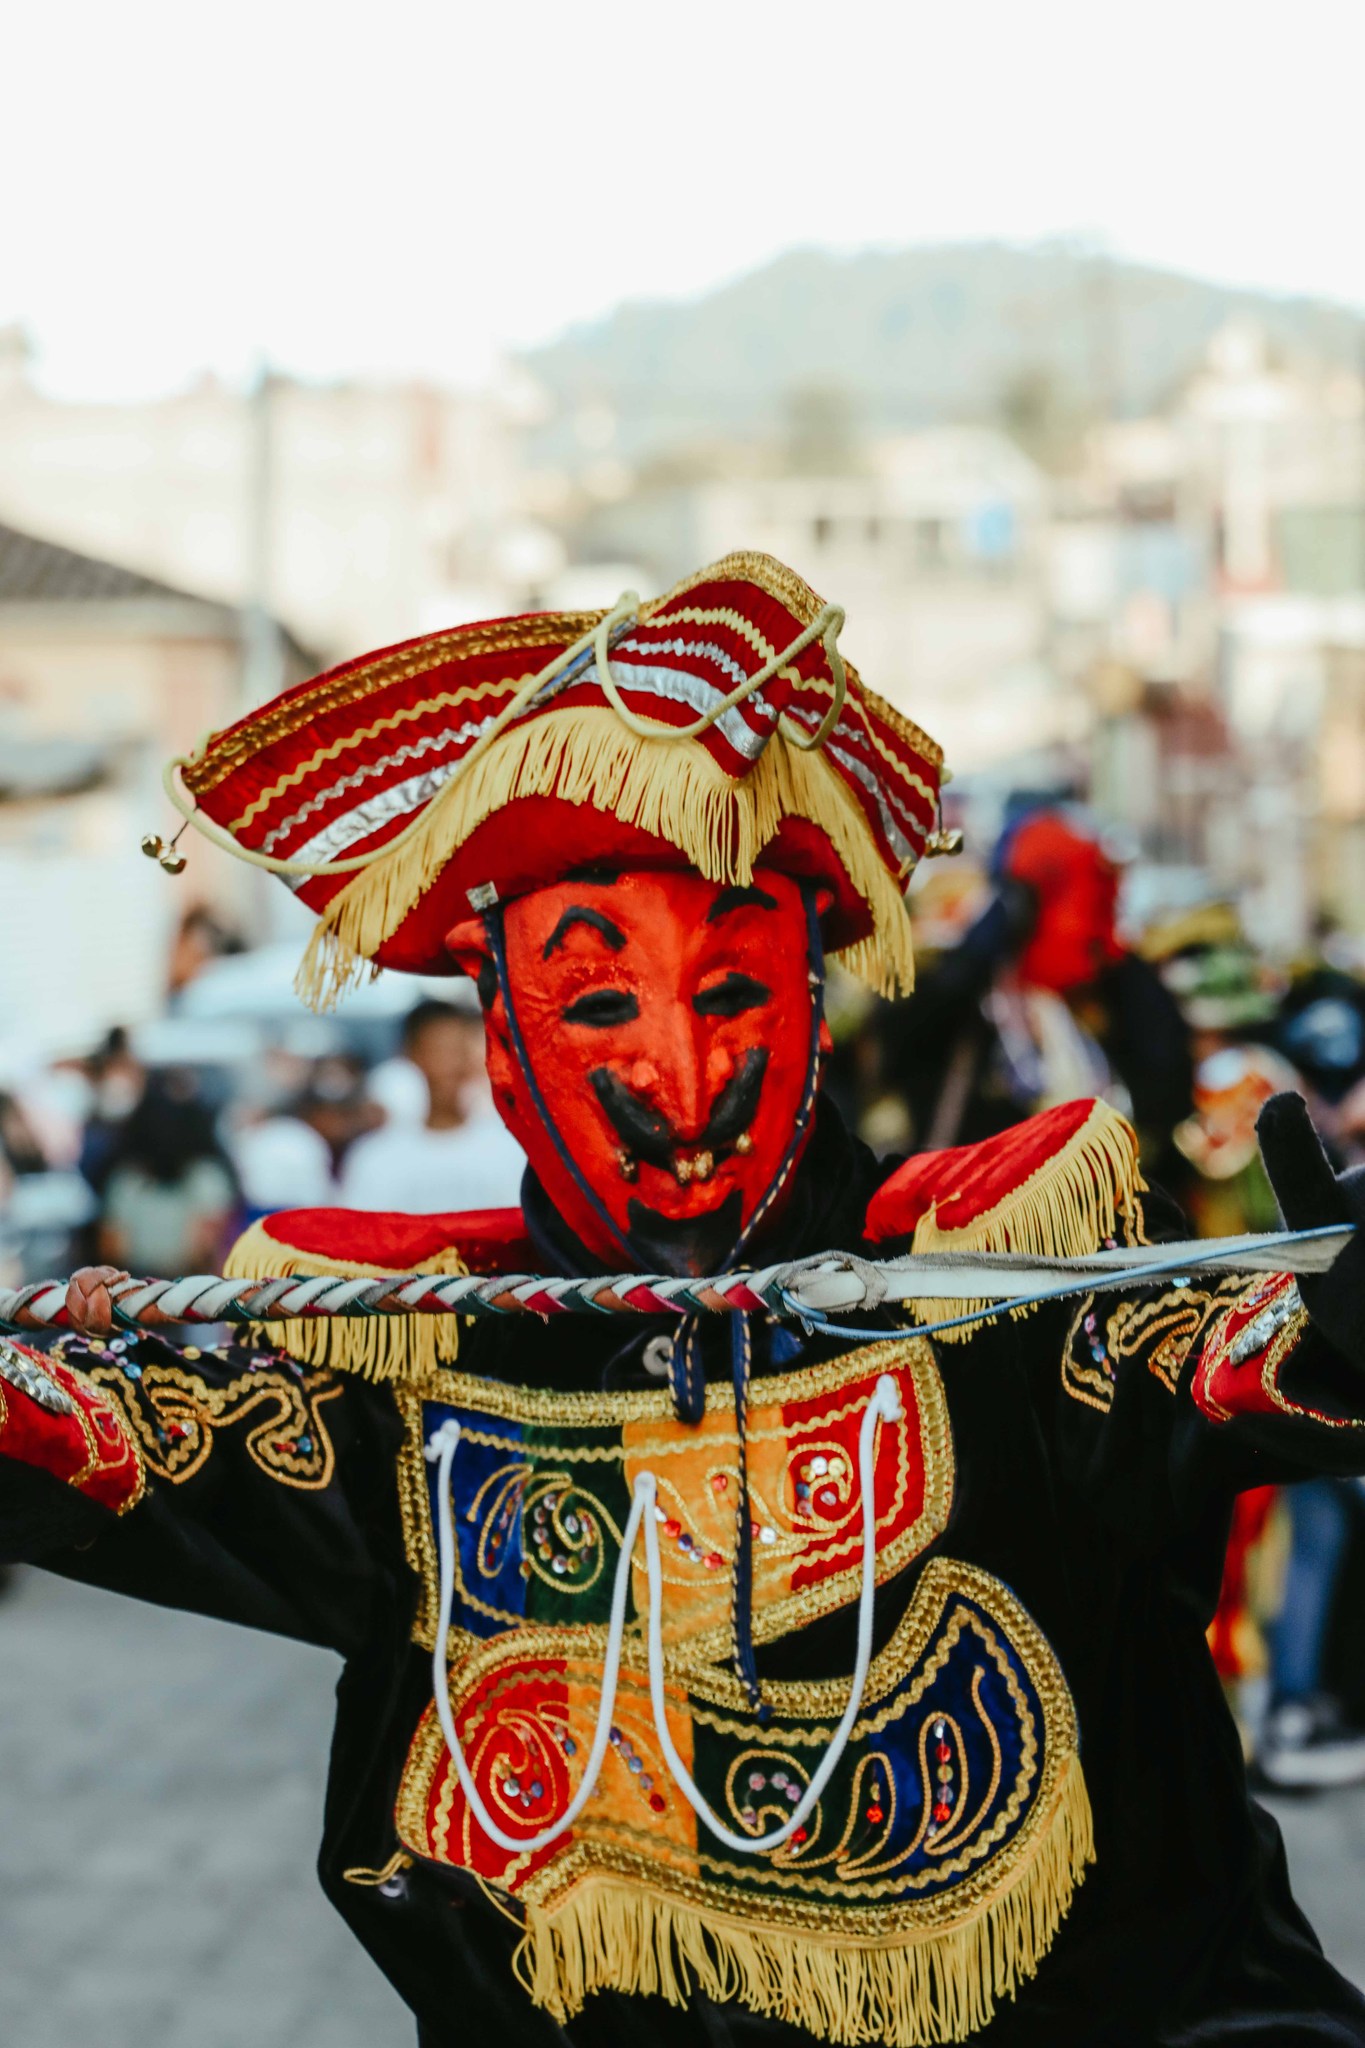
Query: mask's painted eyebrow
pixel 594 871
pixel 579 913
pixel 735 898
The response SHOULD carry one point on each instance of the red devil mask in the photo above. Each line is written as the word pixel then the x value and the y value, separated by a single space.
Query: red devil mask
pixel 663 1035
pixel 1075 885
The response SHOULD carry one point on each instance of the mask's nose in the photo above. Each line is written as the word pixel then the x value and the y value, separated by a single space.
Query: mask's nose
pixel 684 1073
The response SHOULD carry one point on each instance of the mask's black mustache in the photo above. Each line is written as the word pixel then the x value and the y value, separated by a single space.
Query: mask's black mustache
pixel 733 1109
pixel 651 1137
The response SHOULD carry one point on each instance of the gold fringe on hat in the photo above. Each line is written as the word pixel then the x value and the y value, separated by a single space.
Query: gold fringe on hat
pixel 378 1347
pixel 678 793
pixel 909 1991
pixel 1065 1209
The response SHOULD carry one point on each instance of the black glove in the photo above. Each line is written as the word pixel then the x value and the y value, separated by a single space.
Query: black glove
pixel 1310 1195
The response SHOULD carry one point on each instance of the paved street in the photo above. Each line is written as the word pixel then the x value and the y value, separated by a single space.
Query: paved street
pixel 161 1792
pixel 161 1789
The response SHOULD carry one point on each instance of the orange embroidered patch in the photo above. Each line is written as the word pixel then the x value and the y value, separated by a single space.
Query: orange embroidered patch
pixel 541 1491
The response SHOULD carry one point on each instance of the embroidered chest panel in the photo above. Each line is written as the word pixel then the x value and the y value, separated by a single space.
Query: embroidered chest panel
pixel 927 1883
pixel 930 1875
pixel 958 1755
pixel 541 1493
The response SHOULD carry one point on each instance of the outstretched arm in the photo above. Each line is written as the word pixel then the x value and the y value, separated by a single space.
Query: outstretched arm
pixel 1206 1385
pixel 223 1481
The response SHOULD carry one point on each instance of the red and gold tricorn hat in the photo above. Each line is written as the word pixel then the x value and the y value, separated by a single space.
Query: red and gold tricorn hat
pixel 718 726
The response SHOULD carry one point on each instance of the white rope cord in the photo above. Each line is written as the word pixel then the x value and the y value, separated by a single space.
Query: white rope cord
pixel 826 626
pixel 827 1283
pixel 884 1406
pixel 440 1450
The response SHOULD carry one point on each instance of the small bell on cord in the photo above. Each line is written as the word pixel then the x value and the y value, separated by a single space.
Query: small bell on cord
pixel 155 848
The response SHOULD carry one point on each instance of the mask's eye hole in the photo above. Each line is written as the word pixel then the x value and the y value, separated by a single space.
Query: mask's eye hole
pixel 602 1007
pixel 731 997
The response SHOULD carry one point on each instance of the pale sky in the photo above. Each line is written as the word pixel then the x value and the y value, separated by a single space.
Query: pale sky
pixel 404 187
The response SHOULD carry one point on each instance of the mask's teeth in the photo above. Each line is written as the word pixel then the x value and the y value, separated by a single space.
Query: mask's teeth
pixel 627 1164
pixel 744 1142
pixel 700 1166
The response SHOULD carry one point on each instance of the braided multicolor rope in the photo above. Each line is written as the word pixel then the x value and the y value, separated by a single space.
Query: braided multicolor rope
pixel 827 1283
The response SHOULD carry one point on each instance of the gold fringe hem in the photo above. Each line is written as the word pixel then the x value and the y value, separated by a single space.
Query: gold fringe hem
pixel 376 1347
pixel 909 1991
pixel 674 790
pixel 1065 1209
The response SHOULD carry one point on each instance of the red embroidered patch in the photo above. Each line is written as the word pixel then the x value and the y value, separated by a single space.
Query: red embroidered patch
pixel 52 1418
pixel 1239 1367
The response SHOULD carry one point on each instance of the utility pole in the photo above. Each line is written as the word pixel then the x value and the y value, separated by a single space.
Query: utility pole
pixel 262 644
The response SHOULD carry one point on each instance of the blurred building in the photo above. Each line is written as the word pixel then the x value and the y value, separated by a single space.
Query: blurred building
pixel 933 542
pixel 104 674
pixel 358 513
pixel 1208 584
pixel 1163 608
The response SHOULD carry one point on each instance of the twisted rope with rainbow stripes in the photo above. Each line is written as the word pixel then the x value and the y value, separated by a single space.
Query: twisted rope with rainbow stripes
pixel 809 1290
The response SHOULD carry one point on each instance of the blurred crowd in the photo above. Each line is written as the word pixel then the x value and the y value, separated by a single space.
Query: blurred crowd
pixel 156 1165
pixel 1033 989
pixel 1036 985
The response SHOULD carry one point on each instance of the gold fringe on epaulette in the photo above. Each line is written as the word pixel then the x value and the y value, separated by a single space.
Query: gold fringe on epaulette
pixel 672 789
pixel 377 1347
pixel 1066 1209
pixel 908 1991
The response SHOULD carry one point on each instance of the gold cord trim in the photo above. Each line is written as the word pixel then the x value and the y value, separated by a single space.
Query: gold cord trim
pixel 360 1873
pixel 1281 1348
pixel 377 1347
pixel 301 708
pixel 350 742
pixel 547 1408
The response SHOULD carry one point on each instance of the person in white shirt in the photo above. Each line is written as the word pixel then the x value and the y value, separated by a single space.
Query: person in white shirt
pixel 461 1155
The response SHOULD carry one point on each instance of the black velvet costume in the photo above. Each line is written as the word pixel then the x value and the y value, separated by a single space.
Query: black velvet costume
pixel 1092 1486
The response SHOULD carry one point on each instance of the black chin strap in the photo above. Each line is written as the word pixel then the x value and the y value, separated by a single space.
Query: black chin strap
pixel 741 1329
pixel 497 946
pixel 686 1373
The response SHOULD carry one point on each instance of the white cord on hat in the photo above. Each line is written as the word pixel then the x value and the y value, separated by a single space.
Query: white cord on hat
pixel 824 627
pixel 626 607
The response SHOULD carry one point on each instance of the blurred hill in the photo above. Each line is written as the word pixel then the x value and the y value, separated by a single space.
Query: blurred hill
pixel 913 338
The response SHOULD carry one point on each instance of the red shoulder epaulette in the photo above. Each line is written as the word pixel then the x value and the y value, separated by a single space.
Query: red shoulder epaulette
pixel 349 1242
pixel 385 1241
pixel 1059 1185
